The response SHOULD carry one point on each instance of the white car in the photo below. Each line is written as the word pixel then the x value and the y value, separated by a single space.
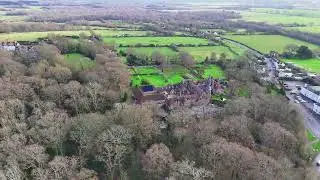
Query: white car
pixel 296 101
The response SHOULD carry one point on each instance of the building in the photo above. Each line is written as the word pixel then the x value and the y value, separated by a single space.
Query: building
pixel 9 46
pixel 316 108
pixel 311 92
pixel 187 93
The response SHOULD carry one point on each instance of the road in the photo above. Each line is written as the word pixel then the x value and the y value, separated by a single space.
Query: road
pixel 311 121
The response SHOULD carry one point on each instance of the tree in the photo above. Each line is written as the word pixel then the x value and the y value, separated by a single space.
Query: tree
pixel 223 57
pixel 84 131
pixel 186 59
pixel 112 147
pixel 213 56
pixel 186 170
pixel 158 58
pixel 304 52
pixel 156 161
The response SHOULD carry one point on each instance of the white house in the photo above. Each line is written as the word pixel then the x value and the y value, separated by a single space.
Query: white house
pixel 311 92
pixel 316 108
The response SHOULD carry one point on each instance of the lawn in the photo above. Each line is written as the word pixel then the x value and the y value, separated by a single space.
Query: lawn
pixel 131 41
pixel 155 80
pixel 200 53
pixel 152 76
pixel 33 36
pixel 311 65
pixel 147 51
pixel 78 61
pixel 207 71
pixel 267 43
pixel 146 70
pixel 310 136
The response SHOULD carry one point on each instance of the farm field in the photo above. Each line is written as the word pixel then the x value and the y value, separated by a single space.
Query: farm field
pixel 33 36
pixel 278 18
pixel 267 43
pixel 310 29
pixel 200 53
pixel 147 51
pixel 311 65
pixel 78 61
pixel 130 41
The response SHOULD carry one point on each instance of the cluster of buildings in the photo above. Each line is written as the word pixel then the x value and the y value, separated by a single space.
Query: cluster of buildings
pixel 9 46
pixel 187 93
pixel 313 93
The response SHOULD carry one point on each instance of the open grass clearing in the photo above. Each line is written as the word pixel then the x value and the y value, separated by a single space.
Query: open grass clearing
pixel 311 65
pixel 200 53
pixel 206 71
pixel 310 136
pixel 78 61
pixel 147 51
pixel 33 36
pixel 267 43
pixel 162 41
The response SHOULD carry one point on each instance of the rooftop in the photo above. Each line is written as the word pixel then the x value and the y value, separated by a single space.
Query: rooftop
pixel 315 89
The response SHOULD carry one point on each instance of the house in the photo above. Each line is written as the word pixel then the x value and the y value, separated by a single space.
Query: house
pixel 316 108
pixel 311 92
pixel 187 93
pixel 9 46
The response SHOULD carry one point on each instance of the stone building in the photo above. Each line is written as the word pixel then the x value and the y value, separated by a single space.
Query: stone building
pixel 311 92
pixel 187 93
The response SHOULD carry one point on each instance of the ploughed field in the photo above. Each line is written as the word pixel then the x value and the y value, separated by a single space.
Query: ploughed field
pixel 156 41
pixel 267 43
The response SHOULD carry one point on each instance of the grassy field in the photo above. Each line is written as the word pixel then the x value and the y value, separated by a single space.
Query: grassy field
pixel 200 53
pixel 146 70
pixel 279 18
pixel 155 40
pixel 174 74
pixel 311 65
pixel 310 29
pixel 32 36
pixel 267 43
pixel 213 71
pixel 78 61
pixel 147 51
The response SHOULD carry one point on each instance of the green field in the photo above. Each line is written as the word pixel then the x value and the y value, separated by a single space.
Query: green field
pixel 200 53
pixel 147 51
pixel 310 136
pixel 213 71
pixel 78 61
pixel 174 74
pixel 131 41
pixel 32 36
pixel 146 70
pixel 267 43
pixel 279 18
pixel 311 65
pixel 310 29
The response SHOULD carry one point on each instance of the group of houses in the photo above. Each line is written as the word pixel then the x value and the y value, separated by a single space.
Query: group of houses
pixel 187 93
pixel 9 46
